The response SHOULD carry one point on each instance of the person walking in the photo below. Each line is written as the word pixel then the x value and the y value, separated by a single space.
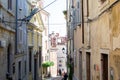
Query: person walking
pixel 60 73
pixel 65 76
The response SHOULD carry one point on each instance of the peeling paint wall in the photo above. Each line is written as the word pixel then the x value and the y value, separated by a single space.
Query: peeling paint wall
pixel 102 34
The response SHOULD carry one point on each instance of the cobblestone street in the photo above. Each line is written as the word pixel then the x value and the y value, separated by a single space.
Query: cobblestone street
pixel 54 78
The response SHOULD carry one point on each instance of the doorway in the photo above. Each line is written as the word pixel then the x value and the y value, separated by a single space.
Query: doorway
pixel 19 70
pixel 88 66
pixel 9 62
pixel 35 69
pixel 30 59
pixel 9 59
pixel 80 65
pixel 104 66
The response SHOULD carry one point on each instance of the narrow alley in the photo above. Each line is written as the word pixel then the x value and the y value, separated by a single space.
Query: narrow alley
pixel 77 39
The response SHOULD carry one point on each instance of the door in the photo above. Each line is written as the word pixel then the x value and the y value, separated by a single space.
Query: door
pixel 19 70
pixel 30 59
pixel 35 69
pixel 104 66
pixel 80 65
pixel 88 66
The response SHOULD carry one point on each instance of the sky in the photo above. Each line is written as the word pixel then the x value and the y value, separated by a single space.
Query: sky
pixel 57 22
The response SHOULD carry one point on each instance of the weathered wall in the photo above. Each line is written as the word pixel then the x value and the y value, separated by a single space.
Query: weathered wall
pixel 115 40
pixel 8 38
pixel 77 46
pixel 102 35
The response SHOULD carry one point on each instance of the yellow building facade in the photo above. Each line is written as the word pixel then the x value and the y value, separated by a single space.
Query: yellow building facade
pixel 35 28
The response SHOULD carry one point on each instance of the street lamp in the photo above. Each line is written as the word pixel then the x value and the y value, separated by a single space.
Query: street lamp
pixel 63 50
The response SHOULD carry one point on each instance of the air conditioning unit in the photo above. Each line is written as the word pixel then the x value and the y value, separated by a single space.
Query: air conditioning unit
pixel 2 44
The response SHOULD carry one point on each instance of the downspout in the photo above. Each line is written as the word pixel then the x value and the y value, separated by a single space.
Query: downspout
pixel 82 22
pixel 16 28
pixel 67 32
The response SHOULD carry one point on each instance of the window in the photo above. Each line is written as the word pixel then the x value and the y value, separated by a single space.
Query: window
pixel 20 35
pixel 46 44
pixel 78 13
pixel 19 70
pixel 60 61
pixel 10 4
pixel 13 68
pixel 60 65
pixel 25 67
pixel 40 57
pixel 53 42
pixel 45 31
pixel 87 8
pixel 30 59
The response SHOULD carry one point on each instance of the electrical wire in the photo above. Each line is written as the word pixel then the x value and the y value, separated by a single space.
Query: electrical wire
pixel 46 6
pixel 34 13
pixel 46 24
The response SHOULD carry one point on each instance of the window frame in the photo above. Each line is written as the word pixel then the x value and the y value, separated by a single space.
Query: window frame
pixel 10 4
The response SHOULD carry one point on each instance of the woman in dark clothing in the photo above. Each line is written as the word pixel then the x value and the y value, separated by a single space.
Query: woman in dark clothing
pixel 60 73
pixel 65 76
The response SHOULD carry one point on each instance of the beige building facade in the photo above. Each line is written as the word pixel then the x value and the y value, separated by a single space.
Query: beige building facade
pixel 96 57
pixel 35 29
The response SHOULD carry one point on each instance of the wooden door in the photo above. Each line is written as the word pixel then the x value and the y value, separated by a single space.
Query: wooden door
pixel 35 69
pixel 80 65
pixel 104 66
pixel 88 66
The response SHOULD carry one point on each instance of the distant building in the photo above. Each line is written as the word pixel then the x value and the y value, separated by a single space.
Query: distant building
pixel 57 55
pixel 61 54
pixel 45 40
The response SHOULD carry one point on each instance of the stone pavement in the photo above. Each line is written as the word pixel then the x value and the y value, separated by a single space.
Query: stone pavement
pixel 54 78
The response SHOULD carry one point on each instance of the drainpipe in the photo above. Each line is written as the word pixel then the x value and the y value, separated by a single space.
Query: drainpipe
pixel 67 31
pixel 16 28
pixel 16 34
pixel 82 22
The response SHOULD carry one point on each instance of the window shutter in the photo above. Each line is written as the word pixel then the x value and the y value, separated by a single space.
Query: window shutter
pixel 79 12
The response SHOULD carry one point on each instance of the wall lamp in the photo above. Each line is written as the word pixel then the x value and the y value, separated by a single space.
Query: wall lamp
pixel 63 50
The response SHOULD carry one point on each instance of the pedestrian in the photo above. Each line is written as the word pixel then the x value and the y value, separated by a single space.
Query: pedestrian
pixel 60 72
pixel 65 76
